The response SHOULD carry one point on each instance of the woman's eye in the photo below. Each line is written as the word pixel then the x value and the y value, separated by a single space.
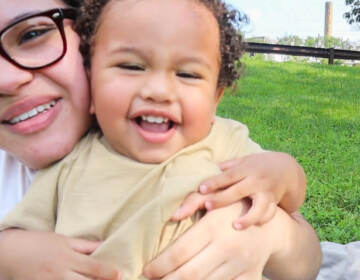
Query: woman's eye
pixel 31 35
pixel 187 75
pixel 132 67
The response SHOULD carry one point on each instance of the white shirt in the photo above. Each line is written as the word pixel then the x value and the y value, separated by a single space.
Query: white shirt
pixel 15 179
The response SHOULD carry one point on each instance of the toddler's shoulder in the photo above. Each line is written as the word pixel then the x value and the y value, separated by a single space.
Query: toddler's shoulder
pixel 231 139
pixel 224 125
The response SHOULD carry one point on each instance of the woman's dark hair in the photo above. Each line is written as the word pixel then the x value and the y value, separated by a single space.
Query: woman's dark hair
pixel 229 20
pixel 72 3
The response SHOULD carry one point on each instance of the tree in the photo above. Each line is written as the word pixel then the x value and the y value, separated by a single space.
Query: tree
pixel 353 15
pixel 337 43
pixel 292 40
pixel 315 42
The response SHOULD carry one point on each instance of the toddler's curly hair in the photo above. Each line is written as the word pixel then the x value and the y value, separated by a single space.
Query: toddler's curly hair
pixel 229 20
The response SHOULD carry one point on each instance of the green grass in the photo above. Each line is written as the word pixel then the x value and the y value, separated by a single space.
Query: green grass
pixel 311 111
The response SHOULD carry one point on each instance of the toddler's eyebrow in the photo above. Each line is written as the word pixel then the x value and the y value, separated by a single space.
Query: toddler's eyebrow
pixel 126 49
pixel 197 60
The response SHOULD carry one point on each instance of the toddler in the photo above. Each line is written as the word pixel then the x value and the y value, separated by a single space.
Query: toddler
pixel 158 69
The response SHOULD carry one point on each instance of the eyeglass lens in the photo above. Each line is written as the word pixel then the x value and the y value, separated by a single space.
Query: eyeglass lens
pixel 33 42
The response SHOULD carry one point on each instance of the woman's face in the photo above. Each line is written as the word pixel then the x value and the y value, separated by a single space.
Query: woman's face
pixel 62 89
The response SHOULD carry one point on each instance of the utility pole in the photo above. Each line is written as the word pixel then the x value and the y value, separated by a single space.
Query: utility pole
pixel 328 19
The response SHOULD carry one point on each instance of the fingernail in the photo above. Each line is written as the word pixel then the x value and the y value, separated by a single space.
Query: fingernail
pixel 208 205
pixel 203 189
pixel 237 226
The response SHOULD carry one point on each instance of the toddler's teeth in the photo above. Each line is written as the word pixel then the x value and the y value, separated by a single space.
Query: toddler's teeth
pixel 154 119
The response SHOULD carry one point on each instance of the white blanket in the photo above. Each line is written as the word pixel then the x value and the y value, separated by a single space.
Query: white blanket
pixel 340 262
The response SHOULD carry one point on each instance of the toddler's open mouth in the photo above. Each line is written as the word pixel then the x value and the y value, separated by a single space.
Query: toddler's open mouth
pixel 156 124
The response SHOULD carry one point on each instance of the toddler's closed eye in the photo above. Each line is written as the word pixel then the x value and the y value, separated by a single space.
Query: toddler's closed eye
pixel 188 75
pixel 131 67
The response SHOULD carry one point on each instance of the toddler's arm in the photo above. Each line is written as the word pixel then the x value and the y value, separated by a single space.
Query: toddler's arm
pixel 268 178
pixel 34 255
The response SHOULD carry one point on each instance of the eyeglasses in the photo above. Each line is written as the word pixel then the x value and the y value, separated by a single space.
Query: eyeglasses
pixel 36 41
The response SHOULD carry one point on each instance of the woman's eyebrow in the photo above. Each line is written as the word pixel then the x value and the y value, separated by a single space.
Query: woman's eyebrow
pixel 19 17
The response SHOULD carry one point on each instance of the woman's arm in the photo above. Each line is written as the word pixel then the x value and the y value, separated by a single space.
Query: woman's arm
pixel 35 255
pixel 299 255
pixel 284 248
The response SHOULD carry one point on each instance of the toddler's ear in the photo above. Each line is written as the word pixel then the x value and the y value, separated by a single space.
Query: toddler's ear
pixel 219 94
pixel 92 107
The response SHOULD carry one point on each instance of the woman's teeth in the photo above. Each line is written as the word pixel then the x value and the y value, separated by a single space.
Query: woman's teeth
pixel 33 112
pixel 153 119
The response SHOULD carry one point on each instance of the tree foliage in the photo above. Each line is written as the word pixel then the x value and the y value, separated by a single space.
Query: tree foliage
pixel 353 15
pixel 291 40
pixel 316 42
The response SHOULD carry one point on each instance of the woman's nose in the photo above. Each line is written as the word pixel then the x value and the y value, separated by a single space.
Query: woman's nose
pixel 12 77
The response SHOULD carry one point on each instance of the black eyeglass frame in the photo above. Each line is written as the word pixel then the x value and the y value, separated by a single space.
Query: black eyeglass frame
pixel 57 16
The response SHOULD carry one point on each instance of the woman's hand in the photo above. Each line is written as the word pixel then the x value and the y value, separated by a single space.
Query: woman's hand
pixel 285 248
pixel 211 250
pixel 35 255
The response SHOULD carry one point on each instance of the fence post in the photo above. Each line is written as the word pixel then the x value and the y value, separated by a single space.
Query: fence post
pixel 331 55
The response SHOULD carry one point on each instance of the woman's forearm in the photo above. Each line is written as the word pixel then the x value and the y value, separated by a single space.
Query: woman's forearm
pixel 297 253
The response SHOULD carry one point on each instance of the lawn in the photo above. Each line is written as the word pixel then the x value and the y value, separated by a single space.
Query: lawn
pixel 311 111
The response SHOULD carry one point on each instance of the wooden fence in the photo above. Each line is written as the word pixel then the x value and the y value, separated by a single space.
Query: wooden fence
pixel 329 53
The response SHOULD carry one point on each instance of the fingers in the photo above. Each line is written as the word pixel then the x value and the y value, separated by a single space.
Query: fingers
pixel 250 276
pixel 228 196
pixel 221 181
pixel 269 214
pixel 260 202
pixel 230 270
pixel 82 246
pixel 230 163
pixel 183 249
pixel 72 275
pixel 193 202
pixel 94 268
pixel 195 269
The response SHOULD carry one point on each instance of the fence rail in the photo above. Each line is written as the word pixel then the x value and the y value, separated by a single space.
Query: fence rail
pixel 329 53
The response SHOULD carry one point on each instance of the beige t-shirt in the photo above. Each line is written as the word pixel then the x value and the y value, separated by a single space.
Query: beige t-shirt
pixel 98 194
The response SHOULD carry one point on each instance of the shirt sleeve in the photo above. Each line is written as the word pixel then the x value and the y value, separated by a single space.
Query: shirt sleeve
pixel 231 140
pixel 38 209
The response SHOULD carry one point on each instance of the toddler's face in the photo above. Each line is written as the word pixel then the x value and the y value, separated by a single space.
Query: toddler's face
pixel 154 74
